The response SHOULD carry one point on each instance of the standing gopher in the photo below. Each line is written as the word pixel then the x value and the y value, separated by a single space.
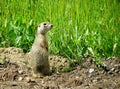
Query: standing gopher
pixel 39 51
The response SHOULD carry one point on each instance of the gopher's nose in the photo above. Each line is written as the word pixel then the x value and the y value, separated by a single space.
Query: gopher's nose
pixel 51 25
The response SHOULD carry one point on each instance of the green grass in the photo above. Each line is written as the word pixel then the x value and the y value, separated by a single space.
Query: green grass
pixel 82 28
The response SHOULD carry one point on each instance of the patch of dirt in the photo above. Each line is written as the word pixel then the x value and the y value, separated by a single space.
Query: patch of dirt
pixel 14 74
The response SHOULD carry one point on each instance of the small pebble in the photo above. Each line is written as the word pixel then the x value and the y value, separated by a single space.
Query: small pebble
pixel 91 70
pixel 77 77
pixel 14 83
pixel 20 78
pixel 20 71
pixel 27 79
pixel 43 82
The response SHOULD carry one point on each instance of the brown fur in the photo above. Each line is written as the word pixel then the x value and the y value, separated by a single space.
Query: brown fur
pixel 39 51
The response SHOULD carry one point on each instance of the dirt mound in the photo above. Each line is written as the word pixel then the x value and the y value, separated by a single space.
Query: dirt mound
pixel 88 76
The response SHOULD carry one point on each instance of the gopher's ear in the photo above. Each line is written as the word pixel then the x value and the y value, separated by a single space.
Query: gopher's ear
pixel 39 25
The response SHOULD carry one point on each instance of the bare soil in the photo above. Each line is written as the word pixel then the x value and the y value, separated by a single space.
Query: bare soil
pixel 16 74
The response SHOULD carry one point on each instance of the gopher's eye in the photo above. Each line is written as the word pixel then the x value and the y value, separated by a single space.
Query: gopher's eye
pixel 39 25
pixel 44 24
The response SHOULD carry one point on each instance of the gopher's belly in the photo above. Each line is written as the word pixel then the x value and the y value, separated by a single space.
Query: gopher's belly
pixel 39 56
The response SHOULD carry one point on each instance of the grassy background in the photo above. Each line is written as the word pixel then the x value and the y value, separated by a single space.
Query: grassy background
pixel 82 28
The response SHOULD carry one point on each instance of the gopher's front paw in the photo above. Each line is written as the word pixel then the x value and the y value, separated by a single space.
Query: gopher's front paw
pixel 37 75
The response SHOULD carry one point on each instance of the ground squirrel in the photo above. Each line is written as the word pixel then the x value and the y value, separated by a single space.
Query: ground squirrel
pixel 39 51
